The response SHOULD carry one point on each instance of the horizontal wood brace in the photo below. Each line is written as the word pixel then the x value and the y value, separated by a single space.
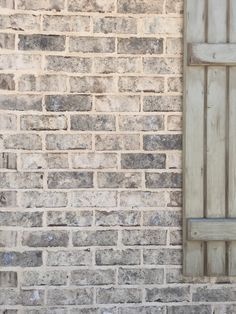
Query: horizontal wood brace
pixel 211 54
pixel 211 229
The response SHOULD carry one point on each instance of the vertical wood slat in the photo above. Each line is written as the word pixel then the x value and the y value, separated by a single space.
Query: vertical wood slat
pixel 194 129
pixel 232 142
pixel 216 136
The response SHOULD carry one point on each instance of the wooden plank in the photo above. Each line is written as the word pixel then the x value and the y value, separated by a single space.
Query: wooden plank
pixel 212 54
pixel 194 129
pixel 211 229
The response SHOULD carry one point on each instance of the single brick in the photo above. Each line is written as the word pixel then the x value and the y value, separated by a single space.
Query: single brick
pixel 137 45
pixel 174 46
pixel 162 103
pixel 32 297
pixel 117 65
pixel 120 103
pixel 8 4
pixel 57 5
pixel 44 161
pixel 175 199
pixel 163 25
pixel 163 180
pixel 20 62
pixel 140 276
pixel 92 84
pixel 23 141
pixel 41 42
pixel 20 22
pixel 174 160
pixel 141 123
pixel 162 256
pixel 141 84
pixel 9 297
pixel 142 198
pixel 81 218
pixel 69 258
pixel 85 277
pixel 176 237
pixel 175 84
pixel 221 308
pixel 93 198
pixel 168 294
pixel 174 123
pixel 144 237
pixel 91 5
pixel 95 238
pixel 117 218
pixel 72 296
pixel 174 6
pixel 8 279
pixel 117 257
pixel 88 122
pixel 175 275
pixel 21 102
pixel 8 199
pixel 119 180
pixel 27 82
pixel 31 199
pixel 65 23
pixel 45 238
pixel 193 309
pixel 142 310
pixel 43 122
pixel 143 161
pixel 117 142
pixel 92 44
pixel 68 103
pixel 140 6
pixel 70 180
pixel 21 180
pixel 42 278
pixel 125 25
pixel 162 218
pixel 43 83
pixel 68 64
pixel 119 295
pixel 162 142
pixel 8 121
pixel 162 65
pixel 94 160
pixel 7 81
pixel 7 41
pixel 22 259
pixel 8 238
pixel 21 219
pixel 68 141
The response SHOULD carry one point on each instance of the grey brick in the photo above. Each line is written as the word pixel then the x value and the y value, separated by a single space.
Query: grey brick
pixel 9 297
pixel 162 256
pixel 8 199
pixel 222 309
pixel 41 42
pixel 65 23
pixel 142 199
pixel 71 296
pixel 92 44
pixel 9 4
pixel 174 6
pixel 175 199
pixel 7 82
pixel 214 294
pixel 117 218
pixel 20 22
pixel 115 25
pixel 143 161
pixel 141 123
pixel 174 275
pixel 8 122
pixel 144 237
pixel 20 180
pixel 119 180
pixel 140 276
pixel 68 64
pixel 162 103
pixel 168 294
pixel 140 6
pixel 190 309
pixel 141 84
pixel 8 279
pixel 8 161
pixel 176 237
pixel 21 102
pixel 94 160
pixel 7 41
pixel 95 238
pixel 32 297
pixel 117 257
pixel 69 258
pixel 68 141
pixel 70 180
pixel 46 199
pixel 163 180
pixel 57 5
pixel 162 65
pixel 42 83
pixel 118 295
pixel 175 84
pixel 142 310
pixel 174 123
pixel 117 142
pixel 88 122
pixel 137 45
pixel 117 103
pixel 92 84
pixel 174 46
pixel 117 65
pixel 91 5
pixel 8 238
pixel 79 218
pixel 23 141
pixel 42 278
pixel 68 103
pixel 162 218
pixel 165 142
pixel 43 123
pixel 22 259
pixel 44 161
pixel 45 238
pixel 21 219
pixel 94 198
pixel 84 277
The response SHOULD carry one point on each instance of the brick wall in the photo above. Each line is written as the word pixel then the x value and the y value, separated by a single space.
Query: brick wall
pixel 90 100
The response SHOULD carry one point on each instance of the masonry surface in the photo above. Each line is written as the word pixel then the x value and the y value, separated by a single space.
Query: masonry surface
pixel 90 162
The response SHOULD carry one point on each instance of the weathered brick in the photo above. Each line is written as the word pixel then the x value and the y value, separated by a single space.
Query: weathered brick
pixel 69 258
pixel 88 122
pixel 22 259
pixel 174 123
pixel 117 142
pixel 43 199
pixel 162 142
pixel 92 44
pixel 41 5
pixel 140 276
pixel 8 238
pixel 119 180
pixel 20 22
pixel 168 294
pixel 44 161
pixel 174 275
pixel 68 64
pixel 8 199
pixel 174 6
pixel 174 46
pixel 8 121
pixel 7 41
pixel 94 160
pixel 42 278
pixel 71 296
pixel 21 102
pixel 23 141
pixel 7 82
pixel 144 237
pixel 91 5
pixel 43 122
pixel 9 297
pixel 70 180
pixel 21 180
pixel 162 218
pixel 141 84
pixel 20 62
pixel 142 199
pixel 162 103
pixel 175 199
pixel 191 309
pixel 68 103
pixel 140 6
pixel 163 180
pixel 85 277
pixel 118 295
pixel 175 84
pixel 51 310
pixel 117 65
pixel 142 310
pixel 118 103
pixel 32 297
pixel 8 279
pixel 125 25
pixel 137 45
pixel 93 198
pixel 174 160
pixel 141 123
pixel 42 83
pixel 65 23
pixel 8 161
pixel 221 309
pixel 21 219
pixel 81 218
pixel 163 25
pixel 95 238
pixel 162 256
pixel 68 141
pixel 9 4
pixel 92 84
pixel 45 238
pixel 117 257
pixel 162 65
pixel 176 237
pixel 214 294
pixel 117 218
pixel 41 42
pixel 143 161
pixel 7 311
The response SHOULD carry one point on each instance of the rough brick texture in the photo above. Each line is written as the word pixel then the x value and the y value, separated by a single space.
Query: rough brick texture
pixel 90 161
